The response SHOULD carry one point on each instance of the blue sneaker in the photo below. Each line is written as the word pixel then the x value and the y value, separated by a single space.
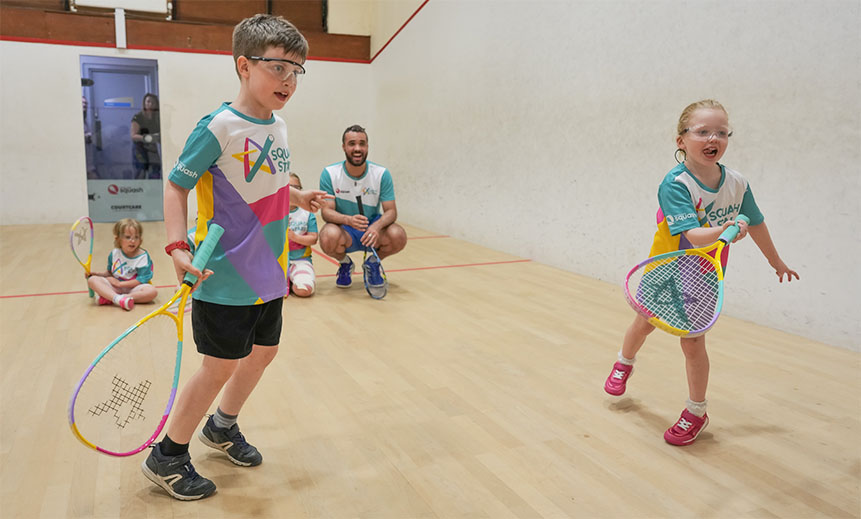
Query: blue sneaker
pixel 372 272
pixel 345 274
pixel 176 475
pixel 231 442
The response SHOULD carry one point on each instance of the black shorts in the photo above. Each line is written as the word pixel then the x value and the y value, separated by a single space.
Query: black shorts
pixel 228 332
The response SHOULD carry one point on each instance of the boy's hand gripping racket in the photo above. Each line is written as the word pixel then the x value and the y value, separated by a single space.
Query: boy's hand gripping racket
pixel 376 285
pixel 681 292
pixel 123 400
pixel 81 240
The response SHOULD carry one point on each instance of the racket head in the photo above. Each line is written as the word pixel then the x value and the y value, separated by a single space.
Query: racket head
pixel 81 241
pixel 122 401
pixel 375 291
pixel 680 292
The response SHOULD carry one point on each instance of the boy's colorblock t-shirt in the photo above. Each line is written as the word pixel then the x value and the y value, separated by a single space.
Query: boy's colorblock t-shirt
pixel 240 167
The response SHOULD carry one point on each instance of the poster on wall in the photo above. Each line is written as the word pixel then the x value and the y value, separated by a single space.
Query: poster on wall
pixel 122 136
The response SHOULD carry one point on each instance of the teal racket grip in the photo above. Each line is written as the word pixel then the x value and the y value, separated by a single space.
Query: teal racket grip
pixel 732 231
pixel 202 254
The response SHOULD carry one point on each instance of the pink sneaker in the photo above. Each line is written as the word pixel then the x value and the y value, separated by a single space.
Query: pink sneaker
pixel 686 430
pixel 127 303
pixel 615 384
pixel 103 301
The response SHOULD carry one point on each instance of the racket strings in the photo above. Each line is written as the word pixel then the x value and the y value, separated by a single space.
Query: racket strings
pixel 82 240
pixel 123 399
pixel 682 291
pixel 122 394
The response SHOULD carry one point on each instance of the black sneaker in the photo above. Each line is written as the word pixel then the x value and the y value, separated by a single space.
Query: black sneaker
pixel 231 442
pixel 176 475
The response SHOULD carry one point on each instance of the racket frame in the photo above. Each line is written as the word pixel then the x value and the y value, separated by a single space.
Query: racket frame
pixel 199 261
pixel 88 264
pixel 711 254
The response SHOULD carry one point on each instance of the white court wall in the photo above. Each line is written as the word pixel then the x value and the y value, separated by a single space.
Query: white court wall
pixel 379 19
pixel 42 177
pixel 538 128
pixel 544 128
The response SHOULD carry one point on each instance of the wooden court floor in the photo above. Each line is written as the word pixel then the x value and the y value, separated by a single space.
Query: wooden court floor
pixel 473 390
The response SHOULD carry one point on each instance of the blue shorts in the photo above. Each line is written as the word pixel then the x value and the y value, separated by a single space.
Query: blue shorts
pixel 229 332
pixel 356 235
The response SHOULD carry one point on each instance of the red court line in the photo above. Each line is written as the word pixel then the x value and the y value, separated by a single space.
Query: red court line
pixel 66 293
pixel 445 267
pixel 320 253
pixel 333 261
pixel 322 276
pixel 399 30
pixel 459 266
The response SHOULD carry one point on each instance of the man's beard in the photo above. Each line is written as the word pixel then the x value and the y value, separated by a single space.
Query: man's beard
pixel 356 161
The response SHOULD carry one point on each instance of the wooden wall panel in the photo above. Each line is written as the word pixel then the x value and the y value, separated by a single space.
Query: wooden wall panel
pixel 47 5
pixel 228 12
pixel 56 26
pixel 304 14
pixel 178 35
pixel 98 29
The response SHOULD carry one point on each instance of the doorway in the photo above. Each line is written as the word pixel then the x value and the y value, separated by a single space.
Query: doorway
pixel 123 138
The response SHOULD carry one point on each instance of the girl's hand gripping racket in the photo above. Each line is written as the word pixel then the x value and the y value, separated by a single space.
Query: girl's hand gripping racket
pixel 81 240
pixel 372 270
pixel 681 292
pixel 123 400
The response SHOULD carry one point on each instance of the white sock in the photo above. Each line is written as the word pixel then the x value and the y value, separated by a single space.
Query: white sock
pixel 345 259
pixel 627 362
pixel 696 408
pixel 117 299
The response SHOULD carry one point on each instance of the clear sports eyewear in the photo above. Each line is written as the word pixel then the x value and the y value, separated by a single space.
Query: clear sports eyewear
pixel 280 68
pixel 701 133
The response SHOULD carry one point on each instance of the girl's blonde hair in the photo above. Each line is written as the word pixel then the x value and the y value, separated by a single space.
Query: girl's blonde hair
pixel 294 175
pixel 120 226
pixel 691 108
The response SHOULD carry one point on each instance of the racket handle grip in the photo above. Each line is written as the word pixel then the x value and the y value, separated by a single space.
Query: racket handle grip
pixel 204 251
pixel 361 207
pixel 732 231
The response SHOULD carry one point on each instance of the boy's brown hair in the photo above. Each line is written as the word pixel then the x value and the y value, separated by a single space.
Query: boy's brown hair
pixel 253 36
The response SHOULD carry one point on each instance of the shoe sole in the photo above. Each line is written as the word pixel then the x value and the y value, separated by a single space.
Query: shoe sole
pixel 152 476
pixel 343 286
pixel 209 443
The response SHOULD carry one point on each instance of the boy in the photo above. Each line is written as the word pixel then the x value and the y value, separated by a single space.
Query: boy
pixel 238 159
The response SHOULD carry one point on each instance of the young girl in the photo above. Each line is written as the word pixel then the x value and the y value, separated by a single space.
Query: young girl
pixel 698 199
pixel 302 234
pixel 127 280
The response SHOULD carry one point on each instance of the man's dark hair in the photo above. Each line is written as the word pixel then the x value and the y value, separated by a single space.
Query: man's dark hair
pixel 355 128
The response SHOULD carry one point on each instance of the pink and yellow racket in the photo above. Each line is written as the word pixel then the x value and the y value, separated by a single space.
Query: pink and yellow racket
pixel 681 292
pixel 81 240
pixel 123 400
